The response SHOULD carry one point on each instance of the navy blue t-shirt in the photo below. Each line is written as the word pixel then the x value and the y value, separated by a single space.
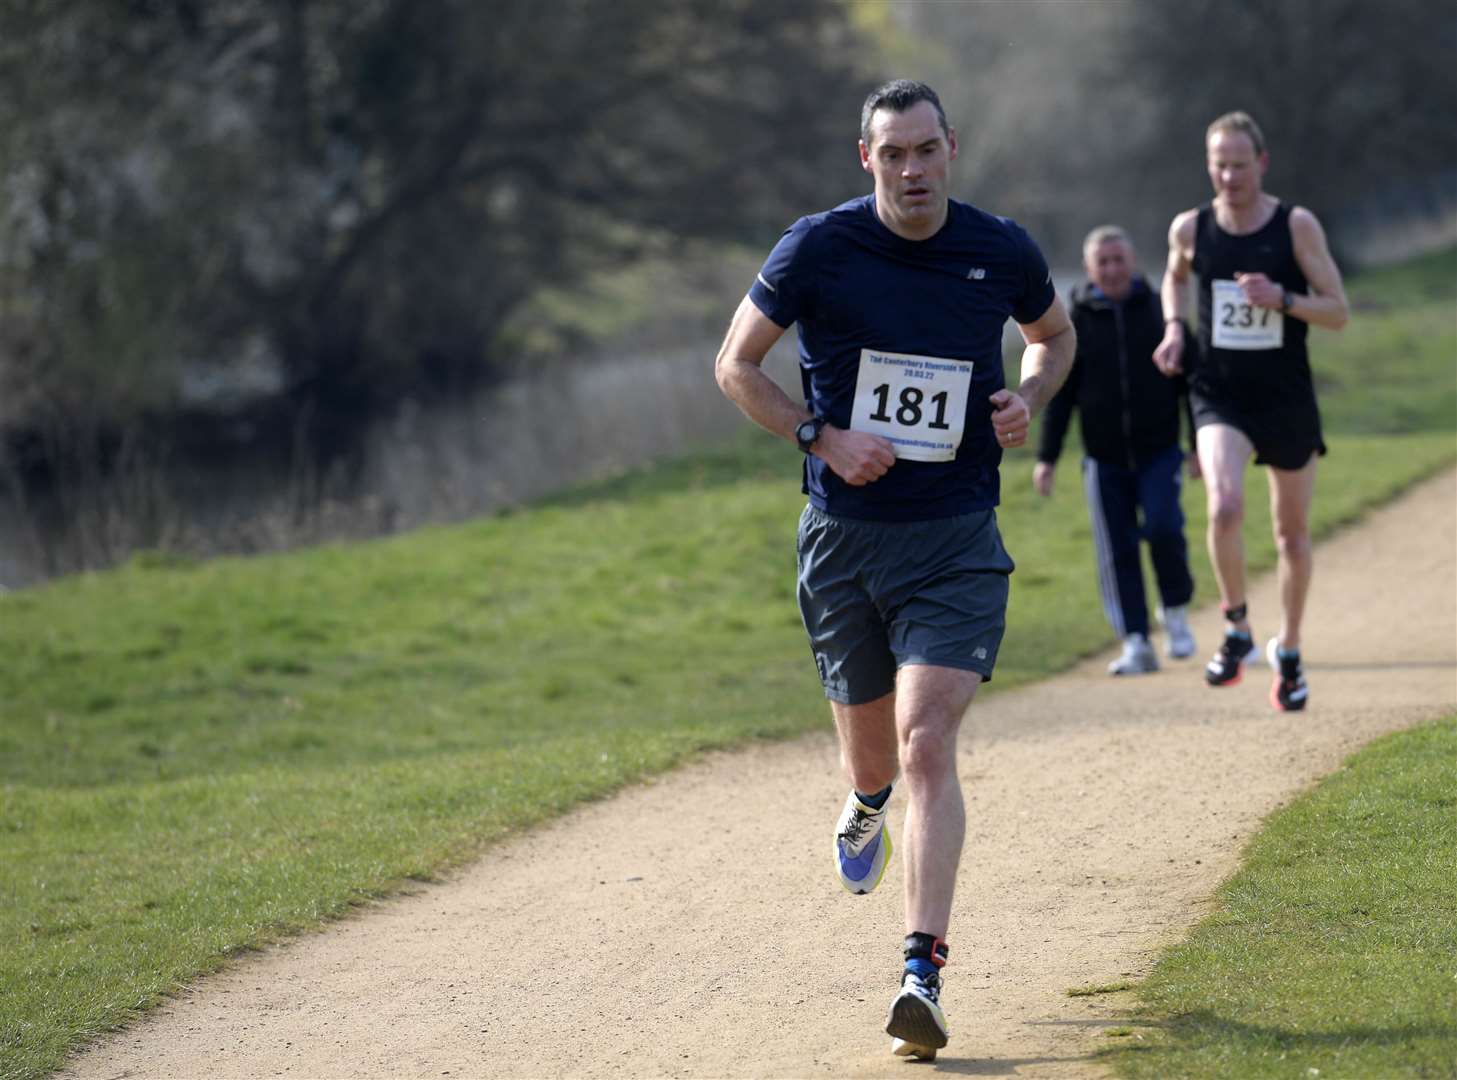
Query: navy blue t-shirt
pixel 852 284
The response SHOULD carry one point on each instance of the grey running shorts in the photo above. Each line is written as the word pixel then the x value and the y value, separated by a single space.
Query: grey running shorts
pixel 876 595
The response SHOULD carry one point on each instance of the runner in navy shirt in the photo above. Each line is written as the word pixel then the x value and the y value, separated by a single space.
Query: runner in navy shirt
pixel 901 298
pixel 852 284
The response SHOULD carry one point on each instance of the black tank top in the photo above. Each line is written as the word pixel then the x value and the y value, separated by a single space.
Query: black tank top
pixel 1250 357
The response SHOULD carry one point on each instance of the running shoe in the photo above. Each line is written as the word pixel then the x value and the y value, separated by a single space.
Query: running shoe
pixel 1228 663
pixel 916 1021
pixel 901 1048
pixel 1137 657
pixel 1289 692
pixel 1179 643
pixel 862 846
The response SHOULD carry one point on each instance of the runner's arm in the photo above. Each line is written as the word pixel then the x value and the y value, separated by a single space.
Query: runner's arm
pixel 1168 357
pixel 857 457
pixel 1325 304
pixel 739 370
pixel 1051 343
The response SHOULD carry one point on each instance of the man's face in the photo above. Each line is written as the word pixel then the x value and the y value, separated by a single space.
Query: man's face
pixel 1110 267
pixel 910 158
pixel 1235 170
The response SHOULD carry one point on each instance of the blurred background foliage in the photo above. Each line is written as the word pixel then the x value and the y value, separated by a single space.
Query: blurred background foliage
pixel 245 237
pixel 1074 113
pixel 350 199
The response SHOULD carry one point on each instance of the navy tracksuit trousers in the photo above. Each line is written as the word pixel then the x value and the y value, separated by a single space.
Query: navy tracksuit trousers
pixel 1126 506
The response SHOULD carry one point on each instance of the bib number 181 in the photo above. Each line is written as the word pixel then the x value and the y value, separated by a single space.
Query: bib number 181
pixel 909 413
pixel 917 402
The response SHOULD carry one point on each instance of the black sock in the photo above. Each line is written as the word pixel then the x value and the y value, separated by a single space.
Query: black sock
pixel 876 801
pixel 924 954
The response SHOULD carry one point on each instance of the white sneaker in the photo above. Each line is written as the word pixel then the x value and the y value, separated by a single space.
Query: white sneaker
pixel 1180 644
pixel 916 1022
pixel 862 845
pixel 901 1048
pixel 1137 657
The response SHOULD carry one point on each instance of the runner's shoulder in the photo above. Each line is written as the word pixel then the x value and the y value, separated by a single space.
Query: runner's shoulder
pixel 1181 230
pixel 848 216
pixel 965 216
pixel 1303 222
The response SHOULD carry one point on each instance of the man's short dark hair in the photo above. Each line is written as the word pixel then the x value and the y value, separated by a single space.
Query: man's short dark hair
pixel 898 95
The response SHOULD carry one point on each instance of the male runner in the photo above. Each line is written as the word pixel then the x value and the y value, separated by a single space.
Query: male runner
pixel 1264 273
pixel 901 297
pixel 1133 466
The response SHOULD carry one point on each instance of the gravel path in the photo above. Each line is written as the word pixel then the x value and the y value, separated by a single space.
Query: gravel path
pixel 693 926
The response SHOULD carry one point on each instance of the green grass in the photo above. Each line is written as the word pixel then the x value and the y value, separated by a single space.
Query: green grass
pixel 1394 366
pixel 197 758
pixel 1334 950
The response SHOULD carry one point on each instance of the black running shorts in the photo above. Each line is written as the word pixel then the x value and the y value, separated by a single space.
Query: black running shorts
pixel 1284 438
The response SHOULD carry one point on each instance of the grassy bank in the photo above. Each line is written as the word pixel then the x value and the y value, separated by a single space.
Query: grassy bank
pixel 1334 950
pixel 198 758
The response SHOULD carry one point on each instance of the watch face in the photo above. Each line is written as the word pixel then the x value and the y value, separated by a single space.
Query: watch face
pixel 806 432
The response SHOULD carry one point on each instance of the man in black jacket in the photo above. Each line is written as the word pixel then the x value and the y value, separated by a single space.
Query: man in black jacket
pixel 1130 424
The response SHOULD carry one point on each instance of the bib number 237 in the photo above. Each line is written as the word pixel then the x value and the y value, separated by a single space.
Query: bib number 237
pixel 1238 324
pixel 917 402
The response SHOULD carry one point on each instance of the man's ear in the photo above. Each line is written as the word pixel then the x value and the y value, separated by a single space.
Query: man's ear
pixel 864 156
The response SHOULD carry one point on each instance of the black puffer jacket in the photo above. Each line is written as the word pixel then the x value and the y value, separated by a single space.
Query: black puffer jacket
pixel 1130 411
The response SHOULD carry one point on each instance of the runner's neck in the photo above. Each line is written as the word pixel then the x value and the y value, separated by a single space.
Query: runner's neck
pixel 1244 220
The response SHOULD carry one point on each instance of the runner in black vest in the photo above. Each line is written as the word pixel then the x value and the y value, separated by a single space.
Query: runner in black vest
pixel 1262 388
pixel 1264 272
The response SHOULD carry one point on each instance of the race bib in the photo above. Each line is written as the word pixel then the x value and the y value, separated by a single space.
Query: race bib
pixel 1238 324
pixel 917 402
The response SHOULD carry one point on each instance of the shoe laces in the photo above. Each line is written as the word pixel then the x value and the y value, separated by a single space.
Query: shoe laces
pixel 926 986
pixel 858 827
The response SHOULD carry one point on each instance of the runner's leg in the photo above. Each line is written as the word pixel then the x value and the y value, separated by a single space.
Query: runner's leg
pixel 1224 451
pixel 930 702
pixel 1291 493
pixel 867 742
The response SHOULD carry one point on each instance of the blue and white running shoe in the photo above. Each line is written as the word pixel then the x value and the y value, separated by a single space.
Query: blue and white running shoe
pixel 916 1021
pixel 862 846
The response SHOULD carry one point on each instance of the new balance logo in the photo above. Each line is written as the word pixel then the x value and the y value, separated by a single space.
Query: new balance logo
pixel 976 273
pixel 979 654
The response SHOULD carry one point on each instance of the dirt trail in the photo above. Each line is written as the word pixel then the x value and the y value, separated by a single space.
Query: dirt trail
pixel 693 927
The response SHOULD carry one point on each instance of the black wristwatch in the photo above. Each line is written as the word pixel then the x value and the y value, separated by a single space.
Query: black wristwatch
pixel 1286 301
pixel 809 432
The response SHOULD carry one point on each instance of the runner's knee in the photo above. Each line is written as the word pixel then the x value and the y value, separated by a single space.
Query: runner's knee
pixel 1292 541
pixel 1226 510
pixel 869 774
pixel 927 751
